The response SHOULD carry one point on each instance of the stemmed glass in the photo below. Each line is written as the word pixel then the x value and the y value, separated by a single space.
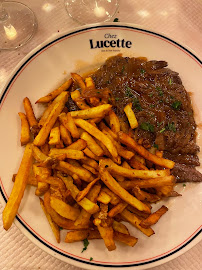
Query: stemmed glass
pixel 17 25
pixel 91 11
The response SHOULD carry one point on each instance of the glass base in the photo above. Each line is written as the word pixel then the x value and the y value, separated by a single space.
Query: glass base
pixel 85 11
pixel 17 27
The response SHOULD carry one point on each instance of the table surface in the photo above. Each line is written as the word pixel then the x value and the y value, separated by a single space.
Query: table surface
pixel 179 19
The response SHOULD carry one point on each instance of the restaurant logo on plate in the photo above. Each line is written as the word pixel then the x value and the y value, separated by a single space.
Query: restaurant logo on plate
pixel 110 43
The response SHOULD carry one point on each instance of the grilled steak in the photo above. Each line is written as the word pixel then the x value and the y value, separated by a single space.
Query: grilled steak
pixel 161 104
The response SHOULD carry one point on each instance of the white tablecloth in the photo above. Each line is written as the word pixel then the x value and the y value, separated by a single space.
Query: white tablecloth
pixel 179 19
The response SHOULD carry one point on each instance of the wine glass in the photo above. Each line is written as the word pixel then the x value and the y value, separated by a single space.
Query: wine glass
pixel 17 25
pixel 91 11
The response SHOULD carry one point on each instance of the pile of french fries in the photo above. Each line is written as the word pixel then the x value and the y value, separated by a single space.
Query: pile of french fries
pixel 91 176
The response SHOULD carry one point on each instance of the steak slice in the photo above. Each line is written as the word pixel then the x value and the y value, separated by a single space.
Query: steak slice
pixel 184 173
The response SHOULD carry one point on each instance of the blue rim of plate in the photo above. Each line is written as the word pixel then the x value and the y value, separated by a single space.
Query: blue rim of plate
pixel 5 91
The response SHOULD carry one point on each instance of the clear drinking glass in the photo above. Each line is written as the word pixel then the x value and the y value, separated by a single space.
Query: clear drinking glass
pixel 91 11
pixel 17 25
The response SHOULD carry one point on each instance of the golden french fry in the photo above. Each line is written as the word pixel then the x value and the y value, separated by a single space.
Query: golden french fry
pixel 119 227
pixel 19 186
pixel 99 111
pixel 25 131
pixel 75 236
pixel 64 209
pixel 92 145
pixel 114 122
pixel 80 171
pixel 69 153
pixel 41 172
pixel 55 228
pixel 30 113
pixel 65 135
pixel 79 80
pixel 56 92
pixel 123 152
pixel 132 173
pixel 111 183
pixel 141 215
pixel 137 164
pixel 89 168
pixel 84 217
pixel 117 209
pixel 38 154
pixel 90 154
pixel 54 137
pixel 59 220
pixel 41 189
pixel 79 100
pixel 95 132
pixel 135 221
pixel 154 217
pixel 45 149
pixel 85 191
pixel 90 162
pixel 49 109
pixel 126 239
pixel 85 203
pixel 148 183
pixel 114 198
pixel 78 145
pixel 165 191
pixel 40 139
pixel 69 124
pixel 127 140
pixel 102 127
pixel 107 235
pixel 131 116
pixel 89 83
pixel 126 165
pixel 103 197
pixel 145 196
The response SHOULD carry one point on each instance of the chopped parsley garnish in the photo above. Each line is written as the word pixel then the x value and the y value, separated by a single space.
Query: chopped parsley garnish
pixel 85 243
pixel 162 130
pixel 170 81
pixel 107 82
pixel 171 127
pixel 184 185
pixel 171 97
pixel 128 91
pixel 160 92
pixel 109 99
pixel 98 92
pixel 151 95
pixel 136 104
pixel 123 68
pixel 176 104
pixel 147 126
pixel 117 98
pixel 116 20
pixel 142 71
pixel 152 105
pixel 189 113
pixel 156 146
pixel 159 124
pixel 91 258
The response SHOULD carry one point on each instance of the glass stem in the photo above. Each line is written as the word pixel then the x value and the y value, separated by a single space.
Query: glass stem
pixel 3 13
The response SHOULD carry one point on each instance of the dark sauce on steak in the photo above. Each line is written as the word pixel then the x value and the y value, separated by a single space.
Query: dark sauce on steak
pixel 161 105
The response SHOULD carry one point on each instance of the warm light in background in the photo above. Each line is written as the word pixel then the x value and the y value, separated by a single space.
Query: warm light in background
pixel 143 13
pixel 10 31
pixel 47 7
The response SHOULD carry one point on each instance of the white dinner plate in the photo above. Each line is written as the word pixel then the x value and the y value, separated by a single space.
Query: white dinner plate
pixel 41 71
